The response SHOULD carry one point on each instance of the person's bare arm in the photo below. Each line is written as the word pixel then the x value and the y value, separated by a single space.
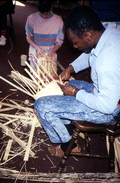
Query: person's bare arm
pixel 56 47
pixel 33 44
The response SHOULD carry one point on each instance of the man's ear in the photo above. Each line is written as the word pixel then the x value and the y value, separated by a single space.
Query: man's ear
pixel 88 35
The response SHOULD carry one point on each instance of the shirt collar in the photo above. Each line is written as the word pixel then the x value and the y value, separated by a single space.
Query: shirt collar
pixel 101 42
pixel 49 15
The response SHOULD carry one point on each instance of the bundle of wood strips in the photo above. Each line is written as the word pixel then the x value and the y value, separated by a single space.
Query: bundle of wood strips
pixel 37 84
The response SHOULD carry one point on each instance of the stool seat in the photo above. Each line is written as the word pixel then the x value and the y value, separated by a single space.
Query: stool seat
pixel 111 128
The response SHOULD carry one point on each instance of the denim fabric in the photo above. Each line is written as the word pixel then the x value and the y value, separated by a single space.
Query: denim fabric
pixel 55 111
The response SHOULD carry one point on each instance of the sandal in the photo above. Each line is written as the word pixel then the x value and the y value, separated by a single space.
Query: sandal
pixel 58 152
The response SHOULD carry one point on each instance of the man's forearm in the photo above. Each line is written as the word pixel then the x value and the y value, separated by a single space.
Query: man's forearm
pixel 70 69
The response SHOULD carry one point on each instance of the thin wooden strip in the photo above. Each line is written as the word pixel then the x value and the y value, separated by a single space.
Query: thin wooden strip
pixel 6 109
pixel 43 74
pixel 28 85
pixel 42 61
pixel 26 157
pixel 5 98
pixel 35 74
pixel 11 65
pixel 37 84
pixel 45 70
pixel 21 85
pixel 6 155
pixel 15 103
pixel 13 75
pixel 9 132
pixel 62 68
pixel 12 157
pixel 49 75
pixel 11 121
pixel 17 106
pixel 34 80
pixel 19 78
pixel 16 86
pixel 38 87
pixel 15 116
pixel 4 117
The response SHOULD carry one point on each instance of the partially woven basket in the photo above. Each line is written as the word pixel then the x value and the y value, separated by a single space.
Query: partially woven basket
pixel 51 89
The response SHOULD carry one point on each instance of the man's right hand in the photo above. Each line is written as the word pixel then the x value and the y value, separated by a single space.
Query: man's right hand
pixel 65 75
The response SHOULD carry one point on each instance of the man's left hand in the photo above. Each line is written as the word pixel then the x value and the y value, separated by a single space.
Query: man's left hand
pixel 70 90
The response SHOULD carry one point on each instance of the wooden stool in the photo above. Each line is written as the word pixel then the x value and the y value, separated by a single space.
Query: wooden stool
pixel 111 129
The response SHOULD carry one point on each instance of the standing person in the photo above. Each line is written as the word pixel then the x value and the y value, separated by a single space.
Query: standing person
pixel 95 102
pixel 44 32
pixel 4 10
pixel 6 7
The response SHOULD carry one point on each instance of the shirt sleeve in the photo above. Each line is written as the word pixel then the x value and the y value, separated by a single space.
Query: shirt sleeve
pixel 29 26
pixel 81 63
pixel 108 74
pixel 60 34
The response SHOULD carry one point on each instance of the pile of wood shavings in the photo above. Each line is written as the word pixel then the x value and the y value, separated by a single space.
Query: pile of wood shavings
pixel 18 122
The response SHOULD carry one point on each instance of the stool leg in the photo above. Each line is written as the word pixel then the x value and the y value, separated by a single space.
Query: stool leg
pixel 111 153
pixel 87 142
pixel 68 150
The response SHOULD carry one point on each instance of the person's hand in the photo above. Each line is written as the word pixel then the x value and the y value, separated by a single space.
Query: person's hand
pixel 39 51
pixel 65 75
pixel 50 54
pixel 69 90
pixel 55 76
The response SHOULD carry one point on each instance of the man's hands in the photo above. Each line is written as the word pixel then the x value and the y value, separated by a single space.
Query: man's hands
pixel 70 90
pixel 65 75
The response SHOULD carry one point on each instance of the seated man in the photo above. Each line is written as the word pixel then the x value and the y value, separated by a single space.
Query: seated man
pixel 95 102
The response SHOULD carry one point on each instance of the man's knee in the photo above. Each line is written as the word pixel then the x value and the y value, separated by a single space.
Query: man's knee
pixel 40 103
pixel 37 104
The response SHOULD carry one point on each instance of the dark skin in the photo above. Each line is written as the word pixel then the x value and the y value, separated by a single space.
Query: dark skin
pixel 86 42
